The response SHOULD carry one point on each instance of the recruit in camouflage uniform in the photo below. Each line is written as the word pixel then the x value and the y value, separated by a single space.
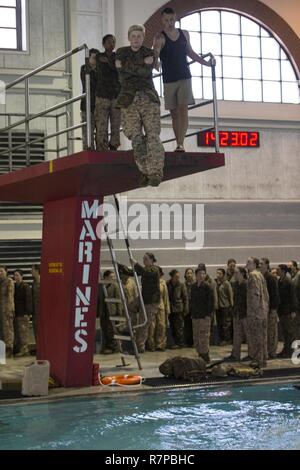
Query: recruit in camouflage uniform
pixel 7 312
pixel 257 317
pixel 140 106
pixel 240 322
pixel 202 307
pixel 23 310
pixel 151 297
pixel 108 88
pixel 179 307
pixel 157 334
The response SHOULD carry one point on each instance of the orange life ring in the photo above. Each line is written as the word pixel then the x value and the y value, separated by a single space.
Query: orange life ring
pixel 121 380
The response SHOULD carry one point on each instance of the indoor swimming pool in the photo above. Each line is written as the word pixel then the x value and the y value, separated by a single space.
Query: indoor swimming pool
pixel 251 417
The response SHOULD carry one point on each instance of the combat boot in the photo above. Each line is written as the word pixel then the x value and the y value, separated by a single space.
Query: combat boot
pixel 154 180
pixel 144 181
pixel 205 357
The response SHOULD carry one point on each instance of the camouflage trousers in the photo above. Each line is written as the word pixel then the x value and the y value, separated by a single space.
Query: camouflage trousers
pixel 105 112
pixel 143 333
pixel 157 332
pixel 272 333
pixel 7 330
pixel 21 325
pixel 176 321
pixel 224 323
pixel 288 329
pixel 257 339
pixel 201 334
pixel 93 128
pixel 240 332
pixel 148 150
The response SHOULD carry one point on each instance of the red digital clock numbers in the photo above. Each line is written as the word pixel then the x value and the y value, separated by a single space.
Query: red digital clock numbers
pixel 229 139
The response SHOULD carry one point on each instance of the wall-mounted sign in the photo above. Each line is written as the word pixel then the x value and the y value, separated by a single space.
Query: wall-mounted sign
pixel 229 139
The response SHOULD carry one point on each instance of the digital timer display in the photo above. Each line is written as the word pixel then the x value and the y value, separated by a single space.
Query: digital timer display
pixel 229 139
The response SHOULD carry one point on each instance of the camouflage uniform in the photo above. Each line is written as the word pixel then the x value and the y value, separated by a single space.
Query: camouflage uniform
pixel 214 337
pixel 157 334
pixel 23 310
pixel 35 291
pixel 257 314
pixel 151 296
pixel 93 81
pixel 141 110
pixel 202 306
pixel 240 322
pixel 7 312
pixel 201 332
pixel 108 88
pixel 224 312
pixel 179 309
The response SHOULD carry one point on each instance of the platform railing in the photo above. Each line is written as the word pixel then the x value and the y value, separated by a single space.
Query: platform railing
pixel 27 117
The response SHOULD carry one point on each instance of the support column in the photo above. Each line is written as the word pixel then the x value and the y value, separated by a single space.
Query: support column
pixel 69 289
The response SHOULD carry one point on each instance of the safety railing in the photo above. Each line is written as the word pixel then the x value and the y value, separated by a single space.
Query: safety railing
pixel 27 118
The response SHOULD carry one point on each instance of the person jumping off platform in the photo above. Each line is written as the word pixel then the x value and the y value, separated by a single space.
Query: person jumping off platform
pixel 173 46
pixel 140 106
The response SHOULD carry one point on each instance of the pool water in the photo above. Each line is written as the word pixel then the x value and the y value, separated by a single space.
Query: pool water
pixel 252 417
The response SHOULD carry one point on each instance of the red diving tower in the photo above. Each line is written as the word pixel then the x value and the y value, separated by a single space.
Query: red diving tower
pixel 71 189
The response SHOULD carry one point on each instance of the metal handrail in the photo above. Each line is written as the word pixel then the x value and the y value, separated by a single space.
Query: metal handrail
pixel 87 96
pixel 45 66
pixel 29 117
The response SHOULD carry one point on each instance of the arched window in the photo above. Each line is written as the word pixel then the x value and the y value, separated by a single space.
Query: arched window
pixel 12 25
pixel 251 64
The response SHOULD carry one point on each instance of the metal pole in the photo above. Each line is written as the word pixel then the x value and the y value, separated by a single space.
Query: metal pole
pixel 10 162
pixel 215 103
pixel 57 137
pixel 27 132
pixel 88 129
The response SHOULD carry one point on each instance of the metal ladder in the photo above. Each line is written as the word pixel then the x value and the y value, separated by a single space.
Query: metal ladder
pixel 120 320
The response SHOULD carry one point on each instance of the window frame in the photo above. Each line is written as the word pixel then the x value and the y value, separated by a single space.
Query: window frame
pixel 18 28
pixel 263 32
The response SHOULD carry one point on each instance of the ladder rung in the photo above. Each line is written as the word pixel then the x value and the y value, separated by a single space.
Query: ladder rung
pixel 113 300
pixel 121 319
pixel 107 283
pixel 123 338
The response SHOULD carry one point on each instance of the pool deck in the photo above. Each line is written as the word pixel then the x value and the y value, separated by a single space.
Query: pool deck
pixel 11 374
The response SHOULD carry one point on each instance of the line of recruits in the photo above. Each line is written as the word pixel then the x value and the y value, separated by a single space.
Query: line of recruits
pixel 243 304
pixel 123 92
pixel 19 302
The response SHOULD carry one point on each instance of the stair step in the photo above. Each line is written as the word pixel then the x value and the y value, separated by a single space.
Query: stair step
pixel 113 300
pixel 123 338
pixel 118 318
